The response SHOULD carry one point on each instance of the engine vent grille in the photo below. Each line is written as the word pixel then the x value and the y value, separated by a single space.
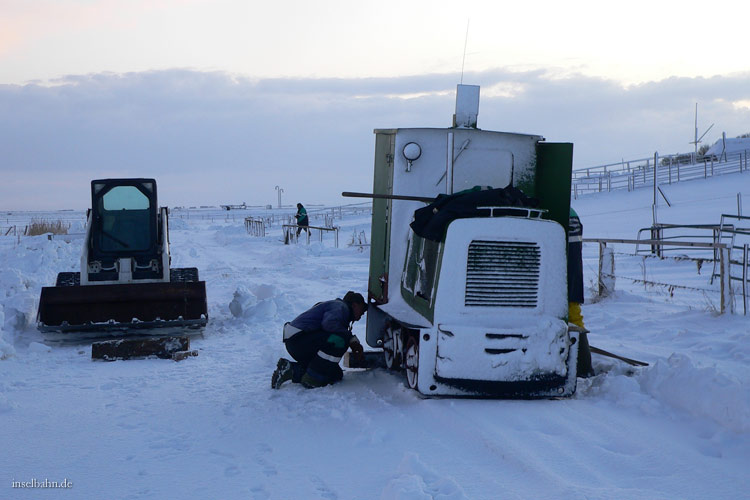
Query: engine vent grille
pixel 502 274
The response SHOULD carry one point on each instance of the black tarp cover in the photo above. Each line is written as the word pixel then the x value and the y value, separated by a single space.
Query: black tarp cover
pixel 430 221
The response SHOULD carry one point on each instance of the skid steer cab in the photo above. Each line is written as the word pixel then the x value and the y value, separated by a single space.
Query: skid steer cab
pixel 125 282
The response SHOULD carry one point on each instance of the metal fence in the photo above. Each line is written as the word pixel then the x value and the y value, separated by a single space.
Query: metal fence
pixel 738 242
pixel 669 169
pixel 13 230
pixel 681 233
pixel 255 226
pixel 272 217
pixel 333 213
pixel 607 276
pixel 291 235
pixel 705 243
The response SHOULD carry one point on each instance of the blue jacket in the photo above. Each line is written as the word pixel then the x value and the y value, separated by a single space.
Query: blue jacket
pixel 332 316
pixel 323 336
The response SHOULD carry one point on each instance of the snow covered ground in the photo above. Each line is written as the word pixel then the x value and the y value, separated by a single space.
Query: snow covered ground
pixel 211 427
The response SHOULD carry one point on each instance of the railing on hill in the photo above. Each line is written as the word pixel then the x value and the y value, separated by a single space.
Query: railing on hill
pixel 670 168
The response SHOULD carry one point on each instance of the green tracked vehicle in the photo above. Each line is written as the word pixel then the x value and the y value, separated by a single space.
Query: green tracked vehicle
pixel 467 284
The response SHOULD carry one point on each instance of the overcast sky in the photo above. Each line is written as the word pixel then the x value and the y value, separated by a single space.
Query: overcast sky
pixel 223 100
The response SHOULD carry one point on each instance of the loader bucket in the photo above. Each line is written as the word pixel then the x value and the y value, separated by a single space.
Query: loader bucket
pixel 122 306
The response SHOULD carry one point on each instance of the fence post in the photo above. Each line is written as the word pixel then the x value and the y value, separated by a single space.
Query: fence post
pixel 606 270
pixel 739 204
pixel 744 278
pixel 670 170
pixel 656 235
pixel 727 296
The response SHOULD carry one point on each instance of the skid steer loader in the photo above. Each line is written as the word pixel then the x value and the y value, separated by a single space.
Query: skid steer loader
pixel 468 284
pixel 125 282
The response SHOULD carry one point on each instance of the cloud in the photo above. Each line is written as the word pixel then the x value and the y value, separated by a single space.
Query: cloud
pixel 215 137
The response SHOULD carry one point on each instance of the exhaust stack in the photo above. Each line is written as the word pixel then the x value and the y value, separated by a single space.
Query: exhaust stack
pixel 467 106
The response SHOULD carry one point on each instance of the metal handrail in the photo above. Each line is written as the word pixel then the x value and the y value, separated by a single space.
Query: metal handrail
pixel 726 292
pixel 697 244
pixel 290 234
pixel 671 168
pixel 657 233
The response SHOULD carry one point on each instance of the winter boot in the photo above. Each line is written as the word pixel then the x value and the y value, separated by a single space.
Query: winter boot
pixel 283 372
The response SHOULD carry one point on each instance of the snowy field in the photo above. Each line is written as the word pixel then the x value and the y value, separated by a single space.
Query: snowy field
pixel 211 427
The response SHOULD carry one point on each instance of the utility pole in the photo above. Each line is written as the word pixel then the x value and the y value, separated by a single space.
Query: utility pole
pixel 655 205
pixel 698 139
pixel 696 132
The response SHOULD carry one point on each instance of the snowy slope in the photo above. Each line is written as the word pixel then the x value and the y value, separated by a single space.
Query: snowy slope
pixel 211 427
pixel 729 145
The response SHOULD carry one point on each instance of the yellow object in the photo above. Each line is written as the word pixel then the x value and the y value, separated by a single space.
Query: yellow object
pixel 575 315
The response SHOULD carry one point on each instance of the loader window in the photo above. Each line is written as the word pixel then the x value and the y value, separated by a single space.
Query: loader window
pixel 421 267
pixel 125 220
pixel 125 198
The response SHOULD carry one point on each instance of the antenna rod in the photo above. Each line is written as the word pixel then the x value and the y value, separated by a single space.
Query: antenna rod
pixel 696 131
pixel 463 62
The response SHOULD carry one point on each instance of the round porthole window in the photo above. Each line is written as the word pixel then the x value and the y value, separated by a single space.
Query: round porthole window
pixel 412 151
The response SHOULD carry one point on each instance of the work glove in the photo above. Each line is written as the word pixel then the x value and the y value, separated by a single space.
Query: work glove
pixel 358 352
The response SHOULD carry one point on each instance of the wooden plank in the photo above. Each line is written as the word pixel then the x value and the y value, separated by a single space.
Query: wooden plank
pixel 602 352
pixel 180 355
pixel 161 347
pixel 371 359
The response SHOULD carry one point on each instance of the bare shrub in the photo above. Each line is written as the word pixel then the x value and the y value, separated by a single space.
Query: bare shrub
pixel 43 226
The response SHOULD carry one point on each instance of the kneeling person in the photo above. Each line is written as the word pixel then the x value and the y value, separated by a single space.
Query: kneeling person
pixel 317 340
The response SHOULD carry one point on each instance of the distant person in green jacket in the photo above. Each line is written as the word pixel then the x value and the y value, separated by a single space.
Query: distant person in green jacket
pixel 302 220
